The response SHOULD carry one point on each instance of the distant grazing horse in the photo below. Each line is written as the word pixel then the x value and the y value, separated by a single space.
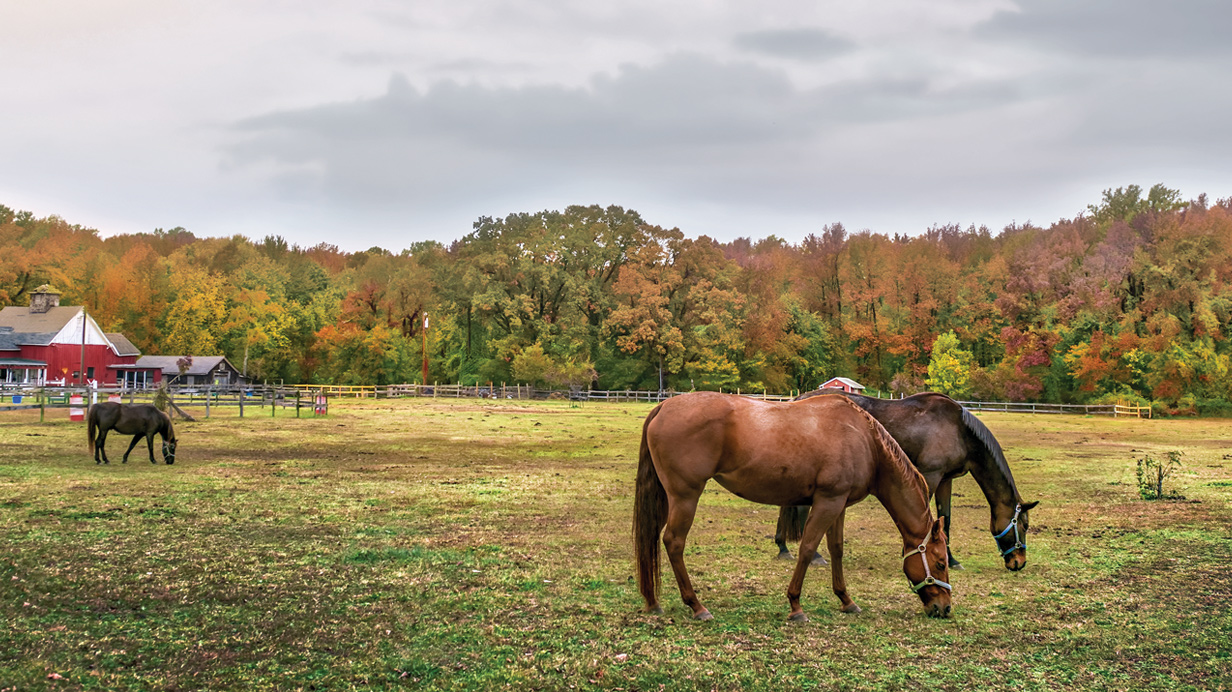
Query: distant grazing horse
pixel 944 441
pixel 825 452
pixel 138 420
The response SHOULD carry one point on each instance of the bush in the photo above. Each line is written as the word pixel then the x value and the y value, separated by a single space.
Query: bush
pixel 1124 397
pixel 1153 472
pixel 1215 408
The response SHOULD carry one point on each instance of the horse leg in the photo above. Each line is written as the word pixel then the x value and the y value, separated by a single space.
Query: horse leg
pixel 819 521
pixel 780 535
pixel 136 439
pixel 149 442
pixel 834 541
pixel 943 513
pixel 789 515
pixel 100 445
pixel 679 520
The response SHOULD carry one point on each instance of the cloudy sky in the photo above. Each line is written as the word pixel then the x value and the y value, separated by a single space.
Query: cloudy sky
pixel 383 122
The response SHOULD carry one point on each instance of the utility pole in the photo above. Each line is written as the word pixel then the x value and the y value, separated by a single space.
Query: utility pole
pixel 425 349
pixel 82 372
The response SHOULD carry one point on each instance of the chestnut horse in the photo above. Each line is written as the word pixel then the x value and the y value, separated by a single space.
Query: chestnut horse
pixel 138 420
pixel 825 452
pixel 944 441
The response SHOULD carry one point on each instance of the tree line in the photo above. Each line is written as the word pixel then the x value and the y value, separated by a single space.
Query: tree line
pixel 1129 301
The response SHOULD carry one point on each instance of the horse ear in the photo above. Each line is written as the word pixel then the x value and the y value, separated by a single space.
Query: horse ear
pixel 1029 505
pixel 938 529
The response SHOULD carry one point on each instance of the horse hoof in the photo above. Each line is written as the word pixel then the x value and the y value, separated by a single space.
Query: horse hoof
pixel 703 615
pixel 819 560
pixel 784 556
pixel 853 609
pixel 656 610
pixel 798 617
pixel 955 564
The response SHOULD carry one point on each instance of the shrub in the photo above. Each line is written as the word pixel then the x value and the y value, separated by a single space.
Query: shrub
pixel 1125 397
pixel 1214 408
pixel 1153 472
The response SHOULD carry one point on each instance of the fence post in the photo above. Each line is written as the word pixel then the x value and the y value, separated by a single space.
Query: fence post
pixel 273 401
pixel 297 402
pixel 241 401
pixel 42 404
pixel 208 391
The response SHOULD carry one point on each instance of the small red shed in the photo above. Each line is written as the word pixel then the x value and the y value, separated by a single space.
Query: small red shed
pixel 844 384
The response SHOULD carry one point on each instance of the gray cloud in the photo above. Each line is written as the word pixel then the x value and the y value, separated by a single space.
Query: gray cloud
pixel 1140 29
pixel 723 119
pixel 797 44
pixel 675 107
pixel 689 125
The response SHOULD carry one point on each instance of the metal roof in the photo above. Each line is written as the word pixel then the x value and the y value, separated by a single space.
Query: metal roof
pixel 123 347
pixel 24 362
pixel 201 365
pixel 38 328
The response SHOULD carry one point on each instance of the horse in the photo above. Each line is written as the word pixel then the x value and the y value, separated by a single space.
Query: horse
pixel 823 452
pixel 944 441
pixel 138 420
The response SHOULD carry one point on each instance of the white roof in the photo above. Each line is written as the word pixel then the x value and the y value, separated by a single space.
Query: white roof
pixel 850 383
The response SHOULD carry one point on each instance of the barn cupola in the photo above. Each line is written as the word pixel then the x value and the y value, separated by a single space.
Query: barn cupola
pixel 43 299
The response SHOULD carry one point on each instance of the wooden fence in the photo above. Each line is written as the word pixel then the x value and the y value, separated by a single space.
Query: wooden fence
pixel 1116 410
pixel 507 391
pixel 314 399
pixel 291 401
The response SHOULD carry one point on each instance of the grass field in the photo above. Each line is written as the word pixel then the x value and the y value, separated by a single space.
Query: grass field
pixel 485 545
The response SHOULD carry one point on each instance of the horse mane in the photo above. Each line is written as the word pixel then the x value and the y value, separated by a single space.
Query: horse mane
pixel 167 424
pixel 893 451
pixel 981 432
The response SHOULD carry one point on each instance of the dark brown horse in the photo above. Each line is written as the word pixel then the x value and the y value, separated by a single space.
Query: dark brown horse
pixel 944 441
pixel 138 420
pixel 824 452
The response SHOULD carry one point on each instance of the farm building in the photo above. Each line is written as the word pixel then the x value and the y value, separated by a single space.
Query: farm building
pixel 202 370
pixel 48 342
pixel 844 384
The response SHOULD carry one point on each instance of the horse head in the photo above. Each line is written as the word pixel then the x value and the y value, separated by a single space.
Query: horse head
pixel 1012 540
pixel 169 450
pixel 929 573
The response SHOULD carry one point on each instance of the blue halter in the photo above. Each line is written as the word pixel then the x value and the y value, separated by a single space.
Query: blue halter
pixel 1002 538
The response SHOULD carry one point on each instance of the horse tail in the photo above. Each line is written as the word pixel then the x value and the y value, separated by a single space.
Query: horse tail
pixel 91 422
pixel 791 522
pixel 649 518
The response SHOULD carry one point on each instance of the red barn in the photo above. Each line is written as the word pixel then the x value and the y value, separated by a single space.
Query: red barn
pixel 844 384
pixel 47 342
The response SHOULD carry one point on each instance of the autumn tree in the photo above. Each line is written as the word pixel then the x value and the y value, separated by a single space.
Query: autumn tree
pixel 949 369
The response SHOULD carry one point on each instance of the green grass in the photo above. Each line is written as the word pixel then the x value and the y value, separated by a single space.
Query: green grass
pixel 457 545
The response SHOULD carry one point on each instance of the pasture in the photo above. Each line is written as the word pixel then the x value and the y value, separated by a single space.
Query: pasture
pixel 465 544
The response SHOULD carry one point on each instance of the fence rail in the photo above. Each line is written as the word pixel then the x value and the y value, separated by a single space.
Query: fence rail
pixel 316 397
pixel 313 400
pixel 1115 410
pixel 507 391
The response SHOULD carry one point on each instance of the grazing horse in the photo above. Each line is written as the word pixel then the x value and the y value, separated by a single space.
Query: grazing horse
pixel 138 420
pixel 944 441
pixel 824 452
